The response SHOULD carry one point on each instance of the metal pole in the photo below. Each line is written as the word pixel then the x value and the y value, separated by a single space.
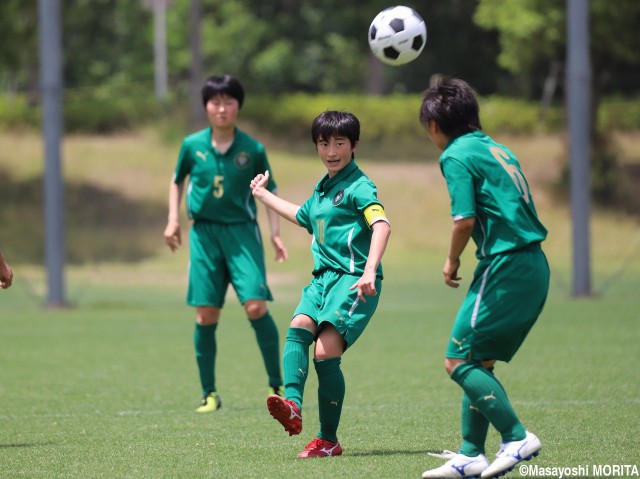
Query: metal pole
pixel 160 47
pixel 52 127
pixel 579 109
pixel 195 39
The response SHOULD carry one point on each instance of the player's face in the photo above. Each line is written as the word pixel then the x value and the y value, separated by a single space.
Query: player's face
pixel 222 111
pixel 335 153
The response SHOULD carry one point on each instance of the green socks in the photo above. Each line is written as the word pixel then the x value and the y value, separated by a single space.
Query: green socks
pixel 295 360
pixel 331 387
pixel 485 392
pixel 204 341
pixel 474 429
pixel 268 341
pixel 331 392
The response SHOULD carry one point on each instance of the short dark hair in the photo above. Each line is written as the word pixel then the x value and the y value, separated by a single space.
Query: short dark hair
pixel 453 105
pixel 222 85
pixel 335 123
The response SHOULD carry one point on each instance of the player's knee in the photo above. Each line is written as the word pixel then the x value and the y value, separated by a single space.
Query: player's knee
pixel 255 309
pixel 207 315
pixel 450 364
pixel 303 321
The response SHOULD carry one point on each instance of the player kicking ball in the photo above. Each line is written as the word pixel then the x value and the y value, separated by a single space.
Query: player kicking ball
pixel 491 204
pixel 350 234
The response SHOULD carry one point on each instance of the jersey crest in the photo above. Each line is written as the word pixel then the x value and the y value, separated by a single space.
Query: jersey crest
pixel 241 160
pixel 337 199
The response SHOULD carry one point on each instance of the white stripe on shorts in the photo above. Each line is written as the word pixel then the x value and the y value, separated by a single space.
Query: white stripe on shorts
pixel 476 306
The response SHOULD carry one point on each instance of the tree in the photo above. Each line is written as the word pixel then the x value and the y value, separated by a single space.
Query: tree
pixel 19 45
pixel 533 36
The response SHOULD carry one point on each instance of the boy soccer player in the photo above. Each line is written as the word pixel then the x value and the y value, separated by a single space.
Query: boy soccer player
pixel 350 233
pixel 490 203
pixel 225 242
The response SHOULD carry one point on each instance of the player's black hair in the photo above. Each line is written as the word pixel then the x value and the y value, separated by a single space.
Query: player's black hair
pixel 453 105
pixel 222 85
pixel 335 123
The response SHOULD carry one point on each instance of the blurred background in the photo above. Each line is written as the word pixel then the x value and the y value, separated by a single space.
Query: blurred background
pixel 132 72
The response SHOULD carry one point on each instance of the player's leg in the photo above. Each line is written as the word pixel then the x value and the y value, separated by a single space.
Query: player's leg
pixel 331 391
pixel 244 255
pixel 486 393
pixel 295 359
pixel 523 279
pixel 208 282
pixel 268 340
pixel 475 427
pixel 342 319
pixel 331 386
pixel 470 460
pixel 204 341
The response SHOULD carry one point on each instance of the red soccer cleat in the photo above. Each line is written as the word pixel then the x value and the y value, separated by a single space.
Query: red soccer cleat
pixel 321 448
pixel 286 412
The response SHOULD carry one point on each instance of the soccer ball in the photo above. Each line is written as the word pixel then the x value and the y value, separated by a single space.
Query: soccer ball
pixel 397 35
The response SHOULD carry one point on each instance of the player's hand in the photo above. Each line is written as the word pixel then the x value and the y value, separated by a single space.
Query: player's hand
pixel 258 183
pixel 281 252
pixel 450 272
pixel 366 286
pixel 172 235
pixel 6 276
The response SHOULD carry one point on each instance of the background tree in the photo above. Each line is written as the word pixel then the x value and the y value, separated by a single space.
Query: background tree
pixel 19 45
pixel 532 37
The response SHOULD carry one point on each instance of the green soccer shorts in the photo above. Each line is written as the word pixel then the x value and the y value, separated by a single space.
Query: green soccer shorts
pixel 223 254
pixel 328 299
pixel 505 298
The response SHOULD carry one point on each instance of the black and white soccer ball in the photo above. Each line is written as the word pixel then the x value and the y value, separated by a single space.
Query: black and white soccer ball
pixel 397 35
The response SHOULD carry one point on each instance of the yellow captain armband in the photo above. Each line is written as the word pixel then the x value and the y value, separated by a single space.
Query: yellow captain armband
pixel 373 213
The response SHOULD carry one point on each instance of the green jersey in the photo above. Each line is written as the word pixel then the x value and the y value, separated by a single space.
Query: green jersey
pixel 218 189
pixel 338 216
pixel 485 181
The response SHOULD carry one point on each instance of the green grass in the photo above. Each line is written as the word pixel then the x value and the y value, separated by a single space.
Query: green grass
pixel 107 388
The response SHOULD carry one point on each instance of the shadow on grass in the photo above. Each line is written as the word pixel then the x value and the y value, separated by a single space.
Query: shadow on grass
pixel 386 452
pixel 100 224
pixel 9 446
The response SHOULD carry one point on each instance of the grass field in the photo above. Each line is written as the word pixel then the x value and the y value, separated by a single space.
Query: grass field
pixel 107 387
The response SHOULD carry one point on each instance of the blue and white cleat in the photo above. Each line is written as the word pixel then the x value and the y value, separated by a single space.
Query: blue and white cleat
pixel 511 453
pixel 458 466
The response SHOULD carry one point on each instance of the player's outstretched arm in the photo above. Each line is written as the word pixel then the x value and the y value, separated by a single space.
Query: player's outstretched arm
pixel 281 206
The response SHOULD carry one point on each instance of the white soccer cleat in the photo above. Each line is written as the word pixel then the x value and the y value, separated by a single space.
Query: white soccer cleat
pixel 459 466
pixel 511 453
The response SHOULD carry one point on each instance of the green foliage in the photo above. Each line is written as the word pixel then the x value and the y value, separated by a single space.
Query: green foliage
pixel 106 110
pixel 389 118
pixel 15 111
pixel 529 30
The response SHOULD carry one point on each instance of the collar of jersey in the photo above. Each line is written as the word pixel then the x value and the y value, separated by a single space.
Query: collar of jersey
pixel 327 183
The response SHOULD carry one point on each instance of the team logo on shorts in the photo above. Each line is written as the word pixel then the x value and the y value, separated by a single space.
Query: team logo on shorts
pixel 338 198
pixel 241 160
